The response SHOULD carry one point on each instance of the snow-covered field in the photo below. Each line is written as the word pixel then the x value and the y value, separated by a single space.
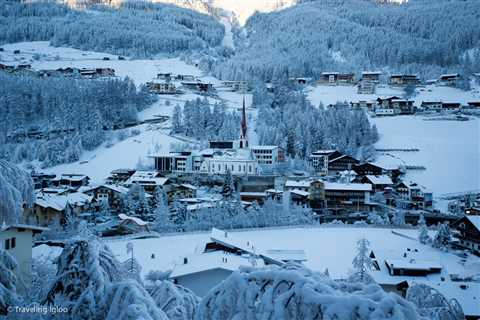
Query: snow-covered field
pixel 325 247
pixel 450 150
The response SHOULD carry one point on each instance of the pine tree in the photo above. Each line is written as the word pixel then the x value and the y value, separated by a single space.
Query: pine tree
pixel 442 237
pixel 228 188
pixel 362 261
pixel 177 119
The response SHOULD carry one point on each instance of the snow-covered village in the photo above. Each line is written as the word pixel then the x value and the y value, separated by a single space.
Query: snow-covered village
pixel 228 159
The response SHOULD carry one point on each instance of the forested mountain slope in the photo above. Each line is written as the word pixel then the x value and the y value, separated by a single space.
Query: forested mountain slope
pixel 423 36
pixel 136 28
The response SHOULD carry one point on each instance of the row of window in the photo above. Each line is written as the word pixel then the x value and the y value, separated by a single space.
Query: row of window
pixel 10 243
pixel 232 168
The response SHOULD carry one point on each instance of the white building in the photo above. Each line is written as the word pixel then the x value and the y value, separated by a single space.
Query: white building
pixel 268 154
pixel 18 241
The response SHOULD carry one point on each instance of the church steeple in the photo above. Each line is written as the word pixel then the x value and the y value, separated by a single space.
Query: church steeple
pixel 243 127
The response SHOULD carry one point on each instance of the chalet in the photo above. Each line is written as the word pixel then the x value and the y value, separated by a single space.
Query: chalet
pixel 268 155
pixel 473 105
pixel 363 104
pixel 119 176
pixel 449 79
pixel 50 207
pixel 473 211
pixel 6 68
pixel 366 87
pixel 161 87
pixel 274 194
pixel 379 183
pixel 97 72
pixel 431 105
pixel 387 102
pixel 149 180
pixel 258 197
pixel 392 268
pixel 404 106
pixel 107 193
pixel 17 240
pixel 181 191
pixel 468 232
pixel 240 86
pixel 129 224
pixel 302 185
pixel 165 76
pixel 71 180
pixel 328 78
pixel 404 80
pixel 368 168
pixel 341 163
pixel 340 196
pixel 413 196
pixel 42 180
pixel 198 86
pixel 373 76
pixel 451 105
pixel 184 77
pixel 299 197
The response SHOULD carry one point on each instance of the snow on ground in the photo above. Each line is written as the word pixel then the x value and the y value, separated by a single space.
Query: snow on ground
pixel 450 150
pixel 317 243
pixel 125 154
pixel 97 164
pixel 228 38
pixel 332 94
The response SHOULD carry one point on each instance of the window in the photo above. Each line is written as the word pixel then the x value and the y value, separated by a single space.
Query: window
pixel 7 244
pixel 13 243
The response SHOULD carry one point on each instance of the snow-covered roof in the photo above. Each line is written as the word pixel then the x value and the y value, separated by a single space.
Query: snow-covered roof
pixel 227 240
pixel 300 192
pixel 382 179
pixel 209 261
pixel 71 177
pixel 19 226
pixel 189 186
pixel 475 220
pixel 413 264
pixel 327 73
pixel 449 75
pixel 371 72
pixel 253 194
pixel 348 186
pixel 116 188
pixel 263 147
pixel 297 184
pixel 323 152
pixel 288 255
pixel 146 177
pixel 203 205
pixel 135 220
pixel 59 202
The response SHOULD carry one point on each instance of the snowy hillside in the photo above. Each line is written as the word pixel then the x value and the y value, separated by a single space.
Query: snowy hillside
pixel 148 138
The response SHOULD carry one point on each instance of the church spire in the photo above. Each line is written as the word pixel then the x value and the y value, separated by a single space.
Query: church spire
pixel 243 127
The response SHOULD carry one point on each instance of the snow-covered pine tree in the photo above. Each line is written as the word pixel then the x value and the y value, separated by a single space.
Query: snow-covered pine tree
pixel 423 236
pixel 16 190
pixel 177 119
pixel 362 261
pixel 177 302
pixel 8 282
pixel 292 292
pixel 228 188
pixel 442 238
pixel 432 304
